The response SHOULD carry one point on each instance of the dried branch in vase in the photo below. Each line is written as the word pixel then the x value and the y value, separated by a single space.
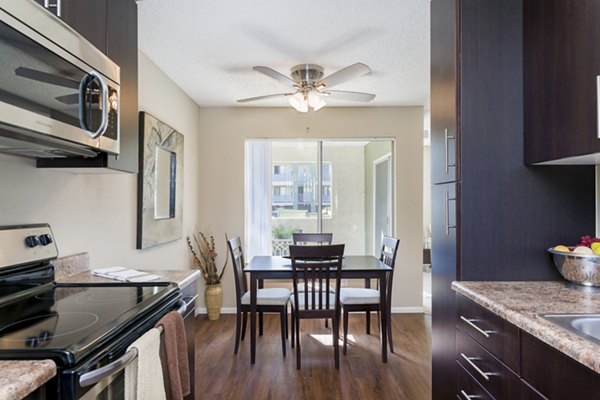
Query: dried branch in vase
pixel 205 257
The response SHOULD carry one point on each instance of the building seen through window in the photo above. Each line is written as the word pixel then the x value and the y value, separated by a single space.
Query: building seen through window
pixel 295 187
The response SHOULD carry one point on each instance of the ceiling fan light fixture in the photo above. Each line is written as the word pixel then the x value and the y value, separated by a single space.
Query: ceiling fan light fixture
pixel 298 102
pixel 315 101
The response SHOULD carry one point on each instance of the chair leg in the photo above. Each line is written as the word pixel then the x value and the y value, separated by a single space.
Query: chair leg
pixel 336 342
pixel 283 319
pixel 260 324
pixel 286 322
pixel 244 320
pixel 368 323
pixel 298 355
pixel 345 330
pixel 238 323
pixel 293 329
pixel 326 323
pixel 389 329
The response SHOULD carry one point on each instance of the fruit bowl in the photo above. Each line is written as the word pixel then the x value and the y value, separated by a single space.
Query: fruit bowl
pixel 583 269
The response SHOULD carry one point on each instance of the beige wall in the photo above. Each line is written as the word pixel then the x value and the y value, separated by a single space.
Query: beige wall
pixel 97 212
pixel 221 172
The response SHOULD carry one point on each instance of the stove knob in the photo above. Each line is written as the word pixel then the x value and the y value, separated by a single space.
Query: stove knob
pixel 32 342
pixel 45 239
pixel 32 241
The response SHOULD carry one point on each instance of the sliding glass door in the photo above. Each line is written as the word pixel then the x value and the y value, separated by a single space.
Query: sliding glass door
pixel 339 186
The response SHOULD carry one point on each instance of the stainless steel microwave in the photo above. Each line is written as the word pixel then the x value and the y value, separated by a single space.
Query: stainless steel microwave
pixel 59 95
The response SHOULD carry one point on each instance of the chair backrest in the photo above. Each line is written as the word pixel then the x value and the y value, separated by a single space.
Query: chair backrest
pixel 315 266
pixel 312 238
pixel 389 249
pixel 237 261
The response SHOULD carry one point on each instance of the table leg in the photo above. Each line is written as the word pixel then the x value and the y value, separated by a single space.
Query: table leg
pixel 261 284
pixel 383 315
pixel 253 289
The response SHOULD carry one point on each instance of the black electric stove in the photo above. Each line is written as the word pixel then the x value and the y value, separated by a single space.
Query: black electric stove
pixel 82 328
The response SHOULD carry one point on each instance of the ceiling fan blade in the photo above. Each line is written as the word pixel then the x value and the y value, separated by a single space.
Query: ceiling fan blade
pixel 275 75
pixel 344 75
pixel 69 98
pixel 46 77
pixel 354 96
pixel 268 96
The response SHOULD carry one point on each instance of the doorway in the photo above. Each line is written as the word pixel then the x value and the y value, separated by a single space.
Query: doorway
pixel 382 200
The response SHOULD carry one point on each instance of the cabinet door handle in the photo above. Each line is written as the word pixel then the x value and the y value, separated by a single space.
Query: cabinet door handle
pixel 598 104
pixel 446 138
pixel 56 5
pixel 464 396
pixel 447 200
pixel 485 375
pixel 478 329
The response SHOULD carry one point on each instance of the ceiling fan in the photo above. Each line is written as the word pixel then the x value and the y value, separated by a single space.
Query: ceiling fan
pixel 311 88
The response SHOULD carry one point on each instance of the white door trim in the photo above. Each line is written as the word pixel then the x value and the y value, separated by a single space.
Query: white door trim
pixel 385 157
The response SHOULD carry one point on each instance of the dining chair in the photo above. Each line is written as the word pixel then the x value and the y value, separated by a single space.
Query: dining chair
pixel 366 299
pixel 272 300
pixel 314 267
pixel 312 238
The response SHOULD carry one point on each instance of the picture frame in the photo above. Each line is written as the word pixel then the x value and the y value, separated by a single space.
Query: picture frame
pixel 160 183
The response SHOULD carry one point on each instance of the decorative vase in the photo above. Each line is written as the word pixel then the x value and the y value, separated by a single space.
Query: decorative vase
pixel 213 298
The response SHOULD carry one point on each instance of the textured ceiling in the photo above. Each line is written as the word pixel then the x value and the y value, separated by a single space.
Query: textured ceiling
pixel 209 47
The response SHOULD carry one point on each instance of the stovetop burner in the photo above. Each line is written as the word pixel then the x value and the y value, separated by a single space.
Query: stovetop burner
pixel 41 330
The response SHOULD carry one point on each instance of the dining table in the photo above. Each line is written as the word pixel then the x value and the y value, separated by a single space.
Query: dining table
pixel 353 267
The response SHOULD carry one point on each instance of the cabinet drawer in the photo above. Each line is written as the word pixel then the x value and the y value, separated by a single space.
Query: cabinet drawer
pixel 491 374
pixel 498 336
pixel 467 387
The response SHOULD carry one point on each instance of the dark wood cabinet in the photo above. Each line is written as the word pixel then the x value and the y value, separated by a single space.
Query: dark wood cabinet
pixel 111 25
pixel 88 17
pixel 553 374
pixel 543 372
pixel 445 166
pixel 507 214
pixel 561 66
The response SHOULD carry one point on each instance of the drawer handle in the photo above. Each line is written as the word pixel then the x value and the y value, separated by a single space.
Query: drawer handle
pixel 446 138
pixel 485 375
pixel 478 329
pixel 466 396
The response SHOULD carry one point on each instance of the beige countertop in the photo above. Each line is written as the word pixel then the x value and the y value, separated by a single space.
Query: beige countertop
pixel 521 303
pixel 181 277
pixel 21 377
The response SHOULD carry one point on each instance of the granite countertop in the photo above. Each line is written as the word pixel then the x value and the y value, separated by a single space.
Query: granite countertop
pixel 20 378
pixel 181 277
pixel 521 303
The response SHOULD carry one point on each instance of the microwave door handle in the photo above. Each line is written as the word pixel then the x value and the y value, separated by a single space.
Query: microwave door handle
pixel 95 376
pixel 83 105
pixel 105 107
pixel 83 86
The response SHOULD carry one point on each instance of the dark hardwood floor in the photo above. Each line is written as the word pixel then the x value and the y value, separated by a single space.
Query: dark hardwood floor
pixel 222 375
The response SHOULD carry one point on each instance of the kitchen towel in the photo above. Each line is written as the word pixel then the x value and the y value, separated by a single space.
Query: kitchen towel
pixel 175 348
pixel 144 376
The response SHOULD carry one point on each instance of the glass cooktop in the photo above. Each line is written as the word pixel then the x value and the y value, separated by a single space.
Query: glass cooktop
pixel 67 323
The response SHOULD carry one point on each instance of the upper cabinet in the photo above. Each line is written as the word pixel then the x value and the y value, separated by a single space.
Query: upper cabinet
pixel 444 127
pixel 111 26
pixel 86 17
pixel 561 68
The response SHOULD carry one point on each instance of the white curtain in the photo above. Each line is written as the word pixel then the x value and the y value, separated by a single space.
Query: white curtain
pixel 258 198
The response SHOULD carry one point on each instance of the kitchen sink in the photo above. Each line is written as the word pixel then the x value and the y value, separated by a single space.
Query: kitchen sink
pixel 585 325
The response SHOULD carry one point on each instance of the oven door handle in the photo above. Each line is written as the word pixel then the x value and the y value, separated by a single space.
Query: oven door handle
pixel 95 376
